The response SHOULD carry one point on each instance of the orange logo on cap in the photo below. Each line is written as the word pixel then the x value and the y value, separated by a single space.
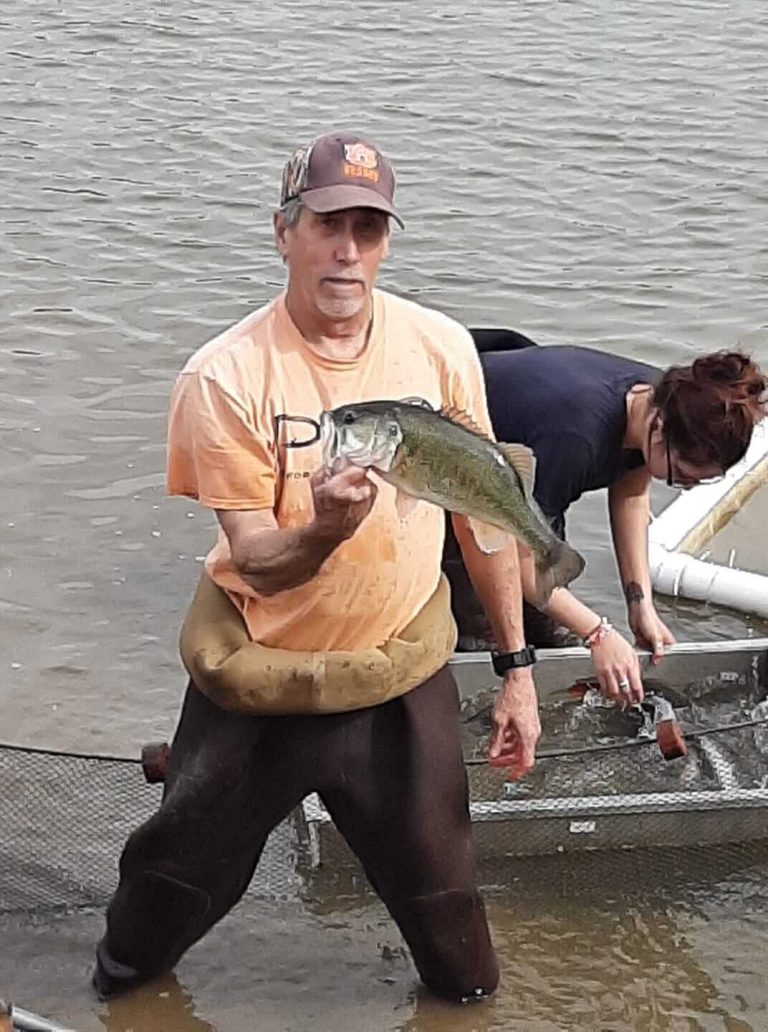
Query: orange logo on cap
pixel 359 172
pixel 360 154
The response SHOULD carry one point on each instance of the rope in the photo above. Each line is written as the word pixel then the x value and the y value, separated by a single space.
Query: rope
pixel 4 747
pixel 634 743
pixel 548 754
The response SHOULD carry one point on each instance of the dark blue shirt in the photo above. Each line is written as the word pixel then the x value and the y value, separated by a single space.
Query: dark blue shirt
pixel 568 405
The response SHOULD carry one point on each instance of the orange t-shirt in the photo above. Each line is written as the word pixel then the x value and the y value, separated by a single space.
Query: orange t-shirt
pixel 244 434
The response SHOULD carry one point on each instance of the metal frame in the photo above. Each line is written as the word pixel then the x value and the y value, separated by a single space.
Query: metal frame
pixel 605 821
pixel 557 669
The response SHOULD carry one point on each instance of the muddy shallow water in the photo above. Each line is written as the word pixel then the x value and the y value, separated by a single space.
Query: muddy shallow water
pixel 608 941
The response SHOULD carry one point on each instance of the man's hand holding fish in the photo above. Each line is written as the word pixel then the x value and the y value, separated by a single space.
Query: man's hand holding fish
pixel 342 499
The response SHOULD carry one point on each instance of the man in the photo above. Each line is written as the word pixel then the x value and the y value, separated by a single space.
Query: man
pixel 331 588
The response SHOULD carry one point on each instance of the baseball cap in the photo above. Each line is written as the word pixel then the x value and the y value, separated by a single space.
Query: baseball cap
pixel 339 170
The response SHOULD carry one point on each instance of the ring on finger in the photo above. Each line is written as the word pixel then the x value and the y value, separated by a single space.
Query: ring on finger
pixel 623 684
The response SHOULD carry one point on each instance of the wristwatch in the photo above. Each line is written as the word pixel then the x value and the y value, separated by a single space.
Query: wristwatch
pixel 503 661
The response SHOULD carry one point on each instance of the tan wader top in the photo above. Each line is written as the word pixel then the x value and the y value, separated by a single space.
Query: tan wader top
pixel 239 674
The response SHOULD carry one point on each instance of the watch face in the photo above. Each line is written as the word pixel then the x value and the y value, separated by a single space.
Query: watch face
pixel 503 661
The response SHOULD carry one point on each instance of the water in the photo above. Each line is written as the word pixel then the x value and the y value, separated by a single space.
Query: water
pixel 586 171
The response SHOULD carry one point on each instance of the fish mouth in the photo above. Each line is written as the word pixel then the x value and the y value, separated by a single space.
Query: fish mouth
pixel 329 440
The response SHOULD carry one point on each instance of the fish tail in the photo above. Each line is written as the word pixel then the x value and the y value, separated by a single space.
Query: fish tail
pixel 560 565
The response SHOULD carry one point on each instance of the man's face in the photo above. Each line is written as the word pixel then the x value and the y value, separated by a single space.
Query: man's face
pixel 333 258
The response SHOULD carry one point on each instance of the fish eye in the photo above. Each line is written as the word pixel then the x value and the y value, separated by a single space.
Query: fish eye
pixel 349 417
pixel 393 431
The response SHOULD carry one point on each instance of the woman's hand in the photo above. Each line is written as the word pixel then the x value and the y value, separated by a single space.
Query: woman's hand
pixel 649 630
pixel 618 669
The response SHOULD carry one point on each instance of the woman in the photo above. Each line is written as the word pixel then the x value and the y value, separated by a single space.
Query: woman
pixel 597 420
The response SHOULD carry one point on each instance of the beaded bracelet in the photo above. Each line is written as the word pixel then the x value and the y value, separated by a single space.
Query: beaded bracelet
pixel 597 634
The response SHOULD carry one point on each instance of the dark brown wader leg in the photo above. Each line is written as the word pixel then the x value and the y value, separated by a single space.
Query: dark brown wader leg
pixel 229 784
pixel 392 777
pixel 396 787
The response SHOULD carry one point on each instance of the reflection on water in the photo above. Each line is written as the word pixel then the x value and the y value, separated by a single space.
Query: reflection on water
pixel 166 1003
pixel 585 172
pixel 614 941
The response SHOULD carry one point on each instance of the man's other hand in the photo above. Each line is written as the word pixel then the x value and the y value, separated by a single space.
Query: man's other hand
pixel 516 726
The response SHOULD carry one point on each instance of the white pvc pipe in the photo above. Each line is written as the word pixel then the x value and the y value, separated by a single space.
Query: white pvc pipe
pixel 26 1021
pixel 676 573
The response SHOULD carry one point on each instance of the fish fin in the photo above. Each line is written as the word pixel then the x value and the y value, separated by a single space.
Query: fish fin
pixel 404 504
pixel 561 565
pixel 418 402
pixel 524 461
pixel 463 418
pixel 489 539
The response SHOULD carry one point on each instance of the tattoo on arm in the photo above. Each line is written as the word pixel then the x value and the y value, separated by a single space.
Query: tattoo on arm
pixel 633 592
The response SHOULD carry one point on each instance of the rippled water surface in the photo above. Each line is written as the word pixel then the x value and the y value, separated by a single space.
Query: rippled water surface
pixel 587 171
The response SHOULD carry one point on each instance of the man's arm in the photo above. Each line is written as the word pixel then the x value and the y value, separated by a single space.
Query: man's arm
pixel 496 579
pixel 272 559
pixel 629 506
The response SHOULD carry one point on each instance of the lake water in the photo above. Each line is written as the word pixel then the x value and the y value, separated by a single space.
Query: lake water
pixel 588 171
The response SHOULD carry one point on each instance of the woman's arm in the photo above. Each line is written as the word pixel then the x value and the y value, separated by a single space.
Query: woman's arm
pixel 629 507
pixel 615 661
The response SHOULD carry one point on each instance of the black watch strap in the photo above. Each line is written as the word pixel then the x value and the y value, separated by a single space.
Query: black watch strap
pixel 503 661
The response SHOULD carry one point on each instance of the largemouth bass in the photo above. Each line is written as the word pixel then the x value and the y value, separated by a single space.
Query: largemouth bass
pixel 440 457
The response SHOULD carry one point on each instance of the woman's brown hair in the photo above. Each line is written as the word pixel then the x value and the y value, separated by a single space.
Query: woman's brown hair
pixel 709 408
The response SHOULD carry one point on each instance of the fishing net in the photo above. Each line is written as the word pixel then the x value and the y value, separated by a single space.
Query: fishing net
pixel 65 819
pixel 604 781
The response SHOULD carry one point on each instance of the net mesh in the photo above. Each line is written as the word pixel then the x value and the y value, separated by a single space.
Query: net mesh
pixel 601 782
pixel 66 818
pixel 607 778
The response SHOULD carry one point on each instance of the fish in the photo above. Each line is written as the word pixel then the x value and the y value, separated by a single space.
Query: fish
pixel 444 458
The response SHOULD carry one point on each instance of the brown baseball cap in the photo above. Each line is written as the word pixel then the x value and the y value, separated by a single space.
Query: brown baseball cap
pixel 339 170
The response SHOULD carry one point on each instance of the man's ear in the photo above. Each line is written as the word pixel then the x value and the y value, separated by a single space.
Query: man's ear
pixel 280 229
pixel 387 240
